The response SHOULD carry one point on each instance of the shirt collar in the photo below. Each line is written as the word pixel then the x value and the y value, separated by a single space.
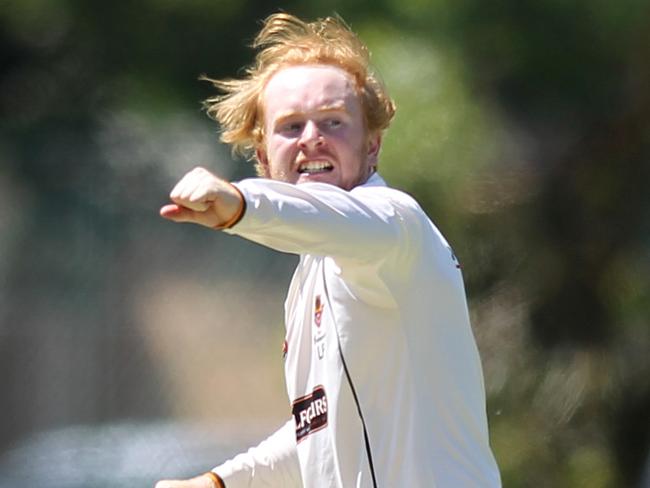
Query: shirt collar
pixel 375 180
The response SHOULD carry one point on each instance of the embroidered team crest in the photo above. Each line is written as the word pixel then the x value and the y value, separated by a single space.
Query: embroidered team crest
pixel 318 311
pixel 319 332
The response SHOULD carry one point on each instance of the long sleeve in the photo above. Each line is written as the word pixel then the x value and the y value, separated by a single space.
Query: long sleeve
pixel 319 219
pixel 274 462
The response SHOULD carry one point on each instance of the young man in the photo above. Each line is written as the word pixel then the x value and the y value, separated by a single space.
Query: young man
pixel 382 372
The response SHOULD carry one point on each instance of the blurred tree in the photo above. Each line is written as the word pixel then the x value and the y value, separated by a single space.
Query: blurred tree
pixel 523 128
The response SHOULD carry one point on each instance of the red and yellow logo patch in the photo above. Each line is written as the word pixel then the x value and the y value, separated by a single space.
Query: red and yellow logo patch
pixel 318 311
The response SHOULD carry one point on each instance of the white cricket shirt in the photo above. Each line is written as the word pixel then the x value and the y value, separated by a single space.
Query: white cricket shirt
pixel 377 328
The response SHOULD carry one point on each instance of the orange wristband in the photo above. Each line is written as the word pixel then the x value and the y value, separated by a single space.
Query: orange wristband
pixel 238 215
pixel 216 479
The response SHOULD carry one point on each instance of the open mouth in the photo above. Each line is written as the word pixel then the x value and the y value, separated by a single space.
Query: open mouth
pixel 315 167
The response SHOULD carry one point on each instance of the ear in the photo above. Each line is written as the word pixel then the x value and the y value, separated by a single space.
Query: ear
pixel 262 162
pixel 374 145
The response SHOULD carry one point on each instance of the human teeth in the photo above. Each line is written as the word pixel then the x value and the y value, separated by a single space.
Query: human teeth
pixel 314 167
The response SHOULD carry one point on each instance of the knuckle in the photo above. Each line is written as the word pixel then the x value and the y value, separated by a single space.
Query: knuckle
pixel 197 196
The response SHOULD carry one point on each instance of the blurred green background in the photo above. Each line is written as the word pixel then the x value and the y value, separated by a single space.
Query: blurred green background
pixel 523 128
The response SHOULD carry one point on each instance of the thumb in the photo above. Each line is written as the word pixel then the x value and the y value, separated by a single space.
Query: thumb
pixel 177 213
pixel 171 211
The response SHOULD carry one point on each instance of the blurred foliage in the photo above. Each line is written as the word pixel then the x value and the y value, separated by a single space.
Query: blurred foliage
pixel 523 128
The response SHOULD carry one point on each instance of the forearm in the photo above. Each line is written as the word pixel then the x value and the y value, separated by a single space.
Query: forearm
pixel 274 462
pixel 320 220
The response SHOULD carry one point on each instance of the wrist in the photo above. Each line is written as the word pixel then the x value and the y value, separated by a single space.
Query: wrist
pixel 239 212
pixel 215 479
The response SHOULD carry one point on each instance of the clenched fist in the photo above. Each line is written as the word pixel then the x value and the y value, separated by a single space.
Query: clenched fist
pixel 202 198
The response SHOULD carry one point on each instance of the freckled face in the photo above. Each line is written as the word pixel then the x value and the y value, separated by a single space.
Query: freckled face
pixel 314 128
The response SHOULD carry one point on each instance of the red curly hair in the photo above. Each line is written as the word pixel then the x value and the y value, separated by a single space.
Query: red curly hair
pixel 285 40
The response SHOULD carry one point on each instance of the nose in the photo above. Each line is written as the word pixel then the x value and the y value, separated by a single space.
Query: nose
pixel 311 137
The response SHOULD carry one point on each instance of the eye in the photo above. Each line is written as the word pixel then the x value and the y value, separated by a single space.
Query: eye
pixel 332 123
pixel 291 128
